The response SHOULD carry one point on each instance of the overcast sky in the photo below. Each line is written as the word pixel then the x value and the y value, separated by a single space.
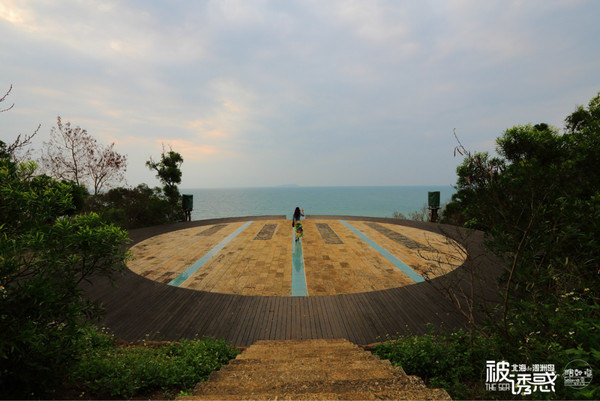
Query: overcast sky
pixel 261 93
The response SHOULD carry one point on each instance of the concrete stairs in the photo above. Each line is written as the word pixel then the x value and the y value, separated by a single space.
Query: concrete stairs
pixel 311 370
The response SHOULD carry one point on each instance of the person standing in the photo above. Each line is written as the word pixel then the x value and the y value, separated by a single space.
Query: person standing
pixel 297 224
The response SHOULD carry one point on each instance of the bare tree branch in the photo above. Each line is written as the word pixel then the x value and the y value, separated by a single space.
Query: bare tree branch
pixel 73 154
pixel 4 97
pixel 20 144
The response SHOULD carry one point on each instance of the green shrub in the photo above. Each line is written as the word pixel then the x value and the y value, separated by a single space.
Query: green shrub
pixel 457 361
pixel 44 255
pixel 134 207
pixel 539 205
pixel 450 361
pixel 107 370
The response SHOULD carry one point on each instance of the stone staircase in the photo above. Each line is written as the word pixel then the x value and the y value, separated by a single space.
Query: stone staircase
pixel 311 370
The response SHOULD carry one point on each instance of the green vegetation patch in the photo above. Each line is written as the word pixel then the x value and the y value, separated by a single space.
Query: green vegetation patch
pixel 454 362
pixel 107 370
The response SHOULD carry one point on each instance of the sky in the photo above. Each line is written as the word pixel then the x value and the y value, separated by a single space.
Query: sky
pixel 315 93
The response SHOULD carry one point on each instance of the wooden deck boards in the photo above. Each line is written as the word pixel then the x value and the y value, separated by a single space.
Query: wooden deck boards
pixel 138 308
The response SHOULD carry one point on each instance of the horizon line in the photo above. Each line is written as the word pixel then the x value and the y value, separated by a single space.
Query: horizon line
pixel 290 186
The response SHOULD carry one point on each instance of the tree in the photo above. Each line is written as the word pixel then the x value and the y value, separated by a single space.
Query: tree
pixel 132 207
pixel 73 154
pixel 169 173
pixel 585 119
pixel 105 166
pixel 22 142
pixel 539 205
pixel 44 255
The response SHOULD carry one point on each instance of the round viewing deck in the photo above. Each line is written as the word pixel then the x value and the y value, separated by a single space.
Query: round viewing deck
pixel 245 279
pixel 261 258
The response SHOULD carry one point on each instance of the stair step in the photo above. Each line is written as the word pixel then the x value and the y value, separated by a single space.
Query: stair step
pixel 283 365
pixel 299 344
pixel 310 386
pixel 300 374
pixel 421 394
pixel 307 359
pixel 266 354
pixel 312 346
pixel 283 397
pixel 319 341
pixel 311 370
pixel 303 344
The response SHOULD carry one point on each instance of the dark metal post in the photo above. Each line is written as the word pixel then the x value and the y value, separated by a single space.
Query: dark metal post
pixel 434 205
pixel 187 204
pixel 433 214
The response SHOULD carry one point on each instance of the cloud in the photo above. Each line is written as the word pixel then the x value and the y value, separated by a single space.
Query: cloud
pixel 14 13
pixel 358 92
pixel 207 128
pixel 378 22
pixel 106 30
pixel 239 12
pixel 189 149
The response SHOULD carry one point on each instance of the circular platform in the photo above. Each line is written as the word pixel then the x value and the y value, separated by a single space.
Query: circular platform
pixel 261 257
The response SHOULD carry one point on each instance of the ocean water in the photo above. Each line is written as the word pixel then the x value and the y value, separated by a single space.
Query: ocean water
pixel 352 201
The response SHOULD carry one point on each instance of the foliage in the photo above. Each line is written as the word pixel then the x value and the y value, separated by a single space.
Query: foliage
pixel 453 361
pixel 107 370
pixel 398 215
pixel 44 255
pixel 168 171
pixel 79 194
pixel 132 207
pixel 73 154
pixel 457 361
pixel 418 215
pixel 539 204
pixel 471 197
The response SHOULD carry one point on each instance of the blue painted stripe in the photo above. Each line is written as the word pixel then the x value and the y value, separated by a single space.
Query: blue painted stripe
pixel 298 275
pixel 416 277
pixel 177 281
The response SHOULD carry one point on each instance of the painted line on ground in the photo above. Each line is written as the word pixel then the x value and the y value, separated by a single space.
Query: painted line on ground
pixel 416 277
pixel 298 274
pixel 177 281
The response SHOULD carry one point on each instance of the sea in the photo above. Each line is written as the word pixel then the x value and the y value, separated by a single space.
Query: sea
pixel 373 201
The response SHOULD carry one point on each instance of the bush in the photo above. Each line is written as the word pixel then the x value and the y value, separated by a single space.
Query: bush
pixel 539 204
pixel 134 207
pixel 44 255
pixel 455 361
pixel 418 215
pixel 107 370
